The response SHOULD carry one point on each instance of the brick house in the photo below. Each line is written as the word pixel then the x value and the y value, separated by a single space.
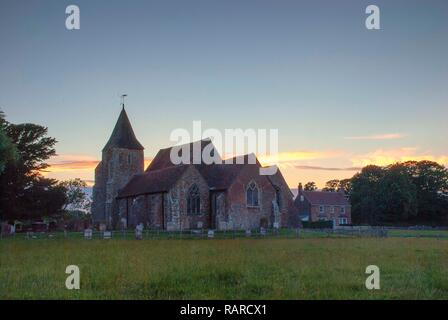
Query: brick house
pixel 323 206
pixel 185 196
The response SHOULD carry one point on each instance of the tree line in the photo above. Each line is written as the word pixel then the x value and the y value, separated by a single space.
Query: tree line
pixel 406 193
pixel 25 194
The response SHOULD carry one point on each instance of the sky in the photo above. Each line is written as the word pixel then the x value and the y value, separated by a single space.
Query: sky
pixel 341 96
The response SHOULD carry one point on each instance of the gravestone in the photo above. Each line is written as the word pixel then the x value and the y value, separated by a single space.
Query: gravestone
pixel 102 227
pixel 248 233
pixel 107 235
pixel 88 234
pixel 262 231
pixel 123 224
pixel 211 234
pixel 139 231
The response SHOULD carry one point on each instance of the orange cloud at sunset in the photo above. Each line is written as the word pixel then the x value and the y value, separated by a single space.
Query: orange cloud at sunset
pixel 290 157
pixel 70 166
pixel 311 165
pixel 67 162
pixel 385 157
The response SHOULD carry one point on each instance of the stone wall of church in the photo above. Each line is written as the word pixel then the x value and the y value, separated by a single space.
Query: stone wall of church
pixel 99 195
pixel 146 209
pixel 230 210
pixel 119 166
pixel 221 217
pixel 156 215
pixel 288 211
pixel 177 217
pixel 239 215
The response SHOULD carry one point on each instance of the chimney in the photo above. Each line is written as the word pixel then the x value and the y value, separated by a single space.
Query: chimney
pixel 300 189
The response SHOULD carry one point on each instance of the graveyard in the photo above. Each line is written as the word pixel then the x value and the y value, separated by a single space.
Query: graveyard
pixel 241 268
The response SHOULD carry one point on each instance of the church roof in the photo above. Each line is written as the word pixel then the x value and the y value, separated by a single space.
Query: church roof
pixel 123 135
pixel 163 157
pixel 220 176
pixel 217 177
pixel 156 181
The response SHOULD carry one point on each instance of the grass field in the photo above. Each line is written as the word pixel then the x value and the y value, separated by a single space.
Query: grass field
pixel 310 268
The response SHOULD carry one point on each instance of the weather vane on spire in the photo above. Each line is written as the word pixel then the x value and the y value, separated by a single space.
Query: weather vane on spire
pixel 122 99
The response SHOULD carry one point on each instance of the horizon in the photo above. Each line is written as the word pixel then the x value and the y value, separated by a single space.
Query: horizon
pixel 341 96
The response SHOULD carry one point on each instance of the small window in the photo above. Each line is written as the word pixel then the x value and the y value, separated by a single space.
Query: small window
pixel 302 198
pixel 342 209
pixel 332 209
pixel 321 209
pixel 194 200
pixel 252 195
pixel 342 220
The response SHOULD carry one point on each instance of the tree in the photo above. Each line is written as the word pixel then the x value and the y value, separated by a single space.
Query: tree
pixel 331 186
pixel 44 198
pixel 346 185
pixel 431 181
pixel 8 152
pixel 33 145
pixel 77 199
pixel 364 195
pixel 397 196
pixel 310 186
pixel 20 178
pixel 403 193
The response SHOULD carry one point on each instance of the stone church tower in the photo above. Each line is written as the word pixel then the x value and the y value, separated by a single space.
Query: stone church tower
pixel 122 158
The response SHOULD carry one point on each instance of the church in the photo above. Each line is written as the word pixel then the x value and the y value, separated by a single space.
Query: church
pixel 169 196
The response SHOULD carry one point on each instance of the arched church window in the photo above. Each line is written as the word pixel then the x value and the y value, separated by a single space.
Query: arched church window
pixel 252 195
pixel 194 200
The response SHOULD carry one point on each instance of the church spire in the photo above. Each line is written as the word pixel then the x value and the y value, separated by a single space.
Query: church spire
pixel 123 135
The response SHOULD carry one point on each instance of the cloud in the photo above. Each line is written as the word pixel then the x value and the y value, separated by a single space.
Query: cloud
pixel 327 168
pixel 386 136
pixel 290 157
pixel 71 162
pixel 70 166
pixel 382 157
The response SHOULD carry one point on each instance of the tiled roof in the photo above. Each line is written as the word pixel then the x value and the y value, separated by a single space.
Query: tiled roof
pixel 123 136
pixel 163 158
pixel 220 176
pixel 155 181
pixel 326 198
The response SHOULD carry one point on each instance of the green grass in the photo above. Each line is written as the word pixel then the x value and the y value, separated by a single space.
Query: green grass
pixel 310 268
pixel 418 233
